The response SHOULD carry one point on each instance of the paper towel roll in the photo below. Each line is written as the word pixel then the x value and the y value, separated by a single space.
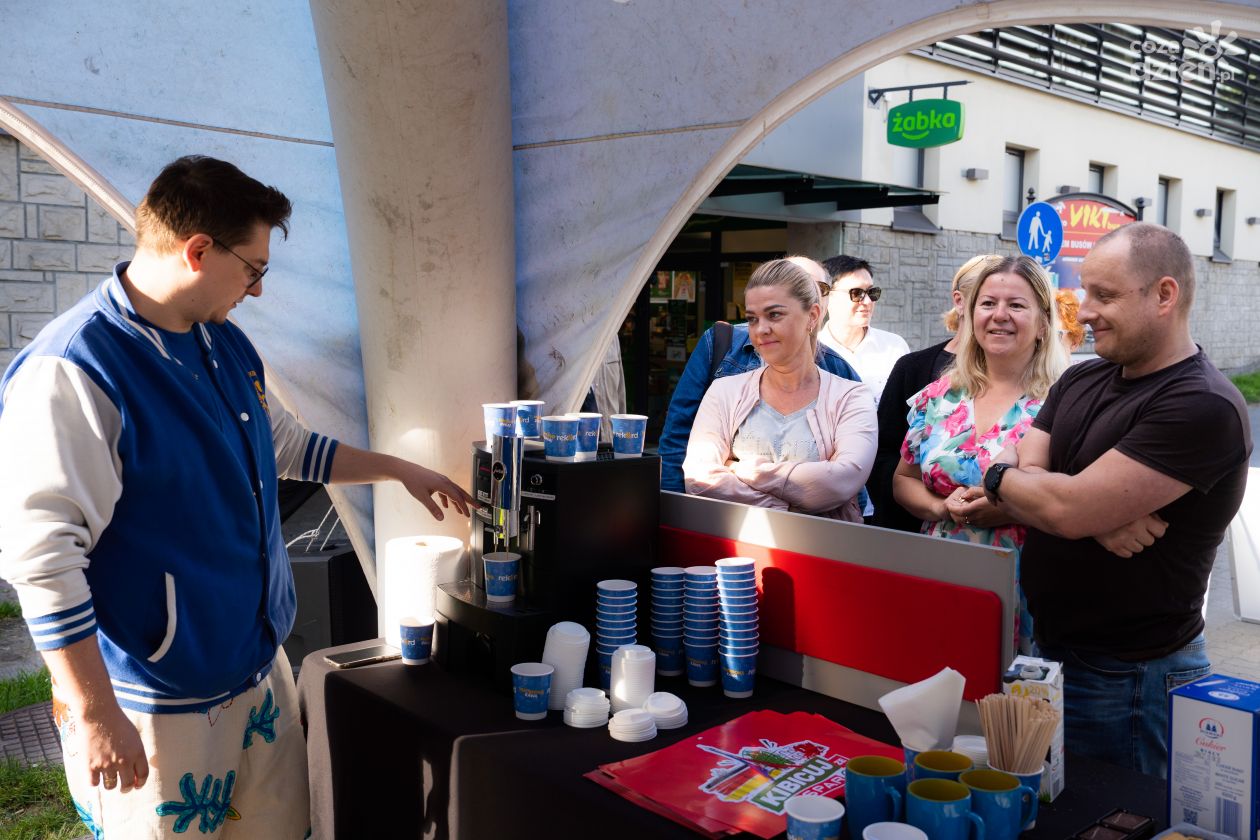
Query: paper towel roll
pixel 405 581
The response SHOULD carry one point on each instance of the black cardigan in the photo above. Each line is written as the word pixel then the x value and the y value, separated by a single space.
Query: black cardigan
pixel 910 374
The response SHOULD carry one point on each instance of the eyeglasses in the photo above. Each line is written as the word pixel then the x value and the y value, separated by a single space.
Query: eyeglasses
pixel 253 270
pixel 873 293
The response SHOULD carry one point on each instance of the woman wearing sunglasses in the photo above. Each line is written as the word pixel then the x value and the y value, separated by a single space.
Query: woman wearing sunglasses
pixel 788 435
pixel 851 299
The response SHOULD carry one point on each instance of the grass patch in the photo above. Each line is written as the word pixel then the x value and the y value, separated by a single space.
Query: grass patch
pixel 35 804
pixel 1249 384
pixel 24 690
pixel 10 609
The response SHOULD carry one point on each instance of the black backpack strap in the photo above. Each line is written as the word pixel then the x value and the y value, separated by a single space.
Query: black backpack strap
pixel 722 332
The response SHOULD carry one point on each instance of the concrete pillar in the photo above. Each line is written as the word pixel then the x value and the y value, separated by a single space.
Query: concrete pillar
pixel 816 240
pixel 418 96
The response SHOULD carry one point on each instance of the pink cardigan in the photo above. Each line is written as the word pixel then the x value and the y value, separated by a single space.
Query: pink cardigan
pixel 844 426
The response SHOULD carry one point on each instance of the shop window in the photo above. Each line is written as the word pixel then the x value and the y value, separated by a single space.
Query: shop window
pixel 1012 190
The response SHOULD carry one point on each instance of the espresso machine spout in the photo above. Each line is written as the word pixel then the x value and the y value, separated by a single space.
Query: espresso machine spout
pixel 506 454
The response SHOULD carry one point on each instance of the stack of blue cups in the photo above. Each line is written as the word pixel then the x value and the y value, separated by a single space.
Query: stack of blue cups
pixel 616 610
pixel 700 624
pixel 667 619
pixel 738 638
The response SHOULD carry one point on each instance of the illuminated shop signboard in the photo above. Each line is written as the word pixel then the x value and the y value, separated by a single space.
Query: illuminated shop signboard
pixel 1086 217
pixel 925 123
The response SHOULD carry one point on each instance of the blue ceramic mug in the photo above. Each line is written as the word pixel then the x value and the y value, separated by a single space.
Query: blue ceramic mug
pixel 941 764
pixel 942 809
pixel 1001 801
pixel 874 790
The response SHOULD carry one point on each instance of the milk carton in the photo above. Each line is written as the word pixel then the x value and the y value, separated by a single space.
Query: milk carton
pixel 1212 755
pixel 1041 679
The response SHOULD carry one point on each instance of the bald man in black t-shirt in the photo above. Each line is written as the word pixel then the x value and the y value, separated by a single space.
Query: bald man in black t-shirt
pixel 1128 479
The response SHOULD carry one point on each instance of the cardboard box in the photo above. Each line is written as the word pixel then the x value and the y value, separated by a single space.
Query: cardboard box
pixel 1041 679
pixel 1212 755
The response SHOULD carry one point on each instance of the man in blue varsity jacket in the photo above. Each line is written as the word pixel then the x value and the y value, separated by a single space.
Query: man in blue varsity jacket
pixel 140 527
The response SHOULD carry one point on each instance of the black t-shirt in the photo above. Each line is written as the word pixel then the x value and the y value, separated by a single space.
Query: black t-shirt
pixel 1188 422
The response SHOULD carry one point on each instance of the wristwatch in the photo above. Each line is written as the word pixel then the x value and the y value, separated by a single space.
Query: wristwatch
pixel 993 479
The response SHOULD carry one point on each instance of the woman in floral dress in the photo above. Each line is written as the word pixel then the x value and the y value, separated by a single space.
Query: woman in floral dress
pixel 1008 358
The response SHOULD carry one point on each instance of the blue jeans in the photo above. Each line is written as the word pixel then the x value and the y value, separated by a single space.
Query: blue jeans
pixel 1117 711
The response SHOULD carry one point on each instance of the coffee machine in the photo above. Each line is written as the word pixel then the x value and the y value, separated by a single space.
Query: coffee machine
pixel 573 523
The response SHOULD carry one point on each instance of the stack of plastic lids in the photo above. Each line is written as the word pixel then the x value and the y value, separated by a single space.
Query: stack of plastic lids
pixel 586 708
pixel 565 650
pixel 632 725
pixel 668 709
pixel 974 747
pixel 633 676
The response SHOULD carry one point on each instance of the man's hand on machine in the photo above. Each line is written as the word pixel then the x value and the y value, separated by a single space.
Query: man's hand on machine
pixel 423 484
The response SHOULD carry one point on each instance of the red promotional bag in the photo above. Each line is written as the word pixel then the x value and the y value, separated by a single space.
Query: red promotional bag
pixel 737 776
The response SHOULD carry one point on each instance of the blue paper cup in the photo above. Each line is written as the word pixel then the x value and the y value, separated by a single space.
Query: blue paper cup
pixel 813 818
pixel 668 606
pixel 500 419
pixel 531 689
pixel 417 639
pixel 527 414
pixel 503 569
pixel 618 632
pixel 742 605
pixel 739 612
pixel 615 611
pixel 588 434
pixel 611 641
pixel 628 431
pixel 617 588
pixel 668 573
pixel 728 623
pixel 700 574
pixel 559 436
pixel 702 665
pixel 737 673
pixel 670 661
pixel 668 591
pixel 732 565
pixel 667 628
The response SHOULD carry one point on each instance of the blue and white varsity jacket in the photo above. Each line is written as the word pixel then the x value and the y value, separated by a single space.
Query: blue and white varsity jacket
pixel 136 508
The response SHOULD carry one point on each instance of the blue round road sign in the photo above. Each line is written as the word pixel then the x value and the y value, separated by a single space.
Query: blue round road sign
pixel 1040 232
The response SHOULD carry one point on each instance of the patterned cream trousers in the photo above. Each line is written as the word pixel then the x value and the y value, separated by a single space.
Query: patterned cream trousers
pixel 236 771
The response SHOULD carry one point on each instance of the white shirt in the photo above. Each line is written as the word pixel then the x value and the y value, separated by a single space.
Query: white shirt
pixel 874 357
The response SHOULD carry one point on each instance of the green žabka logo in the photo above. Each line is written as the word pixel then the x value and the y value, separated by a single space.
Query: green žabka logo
pixel 925 123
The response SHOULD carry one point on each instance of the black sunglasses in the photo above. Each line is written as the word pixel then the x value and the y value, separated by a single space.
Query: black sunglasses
pixel 253 270
pixel 873 293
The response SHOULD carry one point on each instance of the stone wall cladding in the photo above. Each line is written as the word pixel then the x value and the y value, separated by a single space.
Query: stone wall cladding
pixel 56 245
pixel 915 270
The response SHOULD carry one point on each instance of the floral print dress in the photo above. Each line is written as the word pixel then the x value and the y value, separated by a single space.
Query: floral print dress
pixel 951 453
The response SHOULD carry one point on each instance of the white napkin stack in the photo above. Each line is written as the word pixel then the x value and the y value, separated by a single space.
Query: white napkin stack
pixel 925 714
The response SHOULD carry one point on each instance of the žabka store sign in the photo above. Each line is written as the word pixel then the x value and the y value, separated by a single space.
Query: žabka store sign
pixel 925 123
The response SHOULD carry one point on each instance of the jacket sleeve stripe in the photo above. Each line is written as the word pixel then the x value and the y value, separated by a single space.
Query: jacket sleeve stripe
pixel 68 636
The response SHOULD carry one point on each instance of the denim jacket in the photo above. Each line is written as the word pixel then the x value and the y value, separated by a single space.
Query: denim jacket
pixel 741 358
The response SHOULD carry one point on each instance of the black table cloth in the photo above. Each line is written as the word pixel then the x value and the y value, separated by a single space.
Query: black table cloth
pixel 417 752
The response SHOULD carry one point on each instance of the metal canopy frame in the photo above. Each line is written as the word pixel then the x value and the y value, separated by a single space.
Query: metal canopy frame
pixel 803 188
